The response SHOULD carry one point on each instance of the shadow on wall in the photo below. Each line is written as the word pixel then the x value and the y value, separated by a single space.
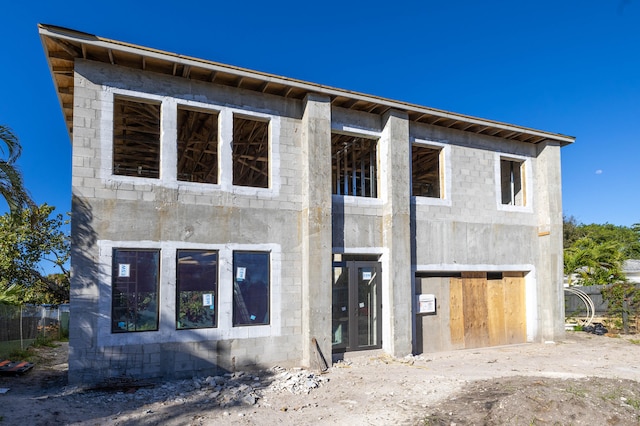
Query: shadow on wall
pixel 84 282
pixel 83 238
pixel 337 221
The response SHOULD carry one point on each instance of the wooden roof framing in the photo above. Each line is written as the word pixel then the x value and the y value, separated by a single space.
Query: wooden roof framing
pixel 62 46
pixel 197 146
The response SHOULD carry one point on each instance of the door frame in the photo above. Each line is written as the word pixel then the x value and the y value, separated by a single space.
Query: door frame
pixel 353 265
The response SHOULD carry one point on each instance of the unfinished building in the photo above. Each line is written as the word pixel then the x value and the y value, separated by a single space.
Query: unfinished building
pixel 225 218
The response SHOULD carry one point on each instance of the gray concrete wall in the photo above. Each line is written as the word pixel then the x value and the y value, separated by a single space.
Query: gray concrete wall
pixel 548 193
pixel 469 229
pixel 297 220
pixel 119 211
pixel 316 230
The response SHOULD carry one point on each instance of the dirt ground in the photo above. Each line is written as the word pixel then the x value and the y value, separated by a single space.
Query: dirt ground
pixel 583 380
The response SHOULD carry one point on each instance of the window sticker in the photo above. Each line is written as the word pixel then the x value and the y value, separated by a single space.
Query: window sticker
pixel 241 273
pixel 207 299
pixel 123 270
pixel 366 275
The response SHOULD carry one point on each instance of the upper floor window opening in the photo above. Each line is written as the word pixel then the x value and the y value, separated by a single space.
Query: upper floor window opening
pixel 354 165
pixel 426 171
pixel 250 149
pixel 512 182
pixel 136 138
pixel 197 146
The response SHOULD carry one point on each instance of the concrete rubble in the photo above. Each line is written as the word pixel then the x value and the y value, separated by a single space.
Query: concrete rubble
pixel 230 389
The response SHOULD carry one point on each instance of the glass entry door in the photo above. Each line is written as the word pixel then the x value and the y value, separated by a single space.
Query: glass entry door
pixel 356 306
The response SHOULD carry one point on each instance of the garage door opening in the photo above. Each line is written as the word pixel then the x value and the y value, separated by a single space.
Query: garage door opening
pixel 472 310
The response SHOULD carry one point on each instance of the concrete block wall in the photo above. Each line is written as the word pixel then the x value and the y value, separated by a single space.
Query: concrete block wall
pixel 124 212
pixel 296 219
pixel 470 229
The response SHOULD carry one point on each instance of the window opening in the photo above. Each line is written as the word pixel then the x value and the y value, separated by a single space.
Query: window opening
pixel 136 138
pixel 197 146
pixel 512 182
pixel 354 166
pixel 250 152
pixel 425 171
pixel 197 289
pixel 134 290
pixel 250 288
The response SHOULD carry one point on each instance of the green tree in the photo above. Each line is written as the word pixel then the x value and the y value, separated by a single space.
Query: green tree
pixel 594 253
pixel 32 238
pixel 571 231
pixel 11 185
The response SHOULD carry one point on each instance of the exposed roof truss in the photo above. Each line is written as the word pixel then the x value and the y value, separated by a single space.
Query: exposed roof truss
pixel 62 46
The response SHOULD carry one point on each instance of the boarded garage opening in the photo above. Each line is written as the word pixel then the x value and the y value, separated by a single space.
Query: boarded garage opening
pixel 473 310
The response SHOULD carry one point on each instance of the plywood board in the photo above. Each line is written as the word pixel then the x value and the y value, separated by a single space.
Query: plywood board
pixel 515 309
pixel 475 311
pixel 495 308
pixel 456 315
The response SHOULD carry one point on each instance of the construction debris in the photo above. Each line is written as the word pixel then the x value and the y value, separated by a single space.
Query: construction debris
pixel 228 390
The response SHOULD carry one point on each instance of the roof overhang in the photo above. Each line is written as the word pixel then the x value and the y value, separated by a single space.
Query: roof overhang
pixel 62 46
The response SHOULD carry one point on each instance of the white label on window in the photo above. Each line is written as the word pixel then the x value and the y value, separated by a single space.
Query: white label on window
pixel 366 275
pixel 241 273
pixel 123 270
pixel 344 309
pixel 207 299
pixel 361 304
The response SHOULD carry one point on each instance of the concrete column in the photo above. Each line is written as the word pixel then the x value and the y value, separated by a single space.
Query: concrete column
pixel 316 229
pixel 396 233
pixel 548 205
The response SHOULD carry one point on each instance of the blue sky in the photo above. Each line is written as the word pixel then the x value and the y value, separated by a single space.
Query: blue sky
pixel 571 67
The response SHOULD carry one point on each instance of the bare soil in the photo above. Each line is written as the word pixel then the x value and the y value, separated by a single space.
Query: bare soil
pixel 583 380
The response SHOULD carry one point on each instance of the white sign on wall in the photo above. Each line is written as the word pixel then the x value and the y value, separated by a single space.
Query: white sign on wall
pixel 426 303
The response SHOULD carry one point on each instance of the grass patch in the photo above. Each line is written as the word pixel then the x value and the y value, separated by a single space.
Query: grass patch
pixel 576 391
pixel 21 355
pixel 16 353
pixel 44 341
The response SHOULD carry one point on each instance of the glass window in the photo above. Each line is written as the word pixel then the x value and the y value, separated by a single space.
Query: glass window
pixel 512 182
pixel 250 152
pixel 197 289
pixel 135 290
pixel 197 146
pixel 354 165
pixel 250 288
pixel 136 138
pixel 425 171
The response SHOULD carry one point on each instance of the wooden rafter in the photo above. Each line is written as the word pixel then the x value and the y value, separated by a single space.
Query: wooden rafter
pixel 250 152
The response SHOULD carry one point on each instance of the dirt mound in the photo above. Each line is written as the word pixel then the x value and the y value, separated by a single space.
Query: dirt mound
pixel 540 401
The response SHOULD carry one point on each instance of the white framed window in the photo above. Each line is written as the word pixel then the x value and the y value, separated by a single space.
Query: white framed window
pixel 250 151
pixel 430 172
pixel 197 145
pixel 513 183
pixel 136 137
pixel 354 165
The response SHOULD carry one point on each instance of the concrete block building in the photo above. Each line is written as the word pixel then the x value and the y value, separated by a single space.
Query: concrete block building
pixel 225 218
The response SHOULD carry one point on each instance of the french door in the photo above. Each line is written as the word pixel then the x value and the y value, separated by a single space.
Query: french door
pixel 356 306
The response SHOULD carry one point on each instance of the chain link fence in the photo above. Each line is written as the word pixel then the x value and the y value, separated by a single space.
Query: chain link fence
pixel 20 326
